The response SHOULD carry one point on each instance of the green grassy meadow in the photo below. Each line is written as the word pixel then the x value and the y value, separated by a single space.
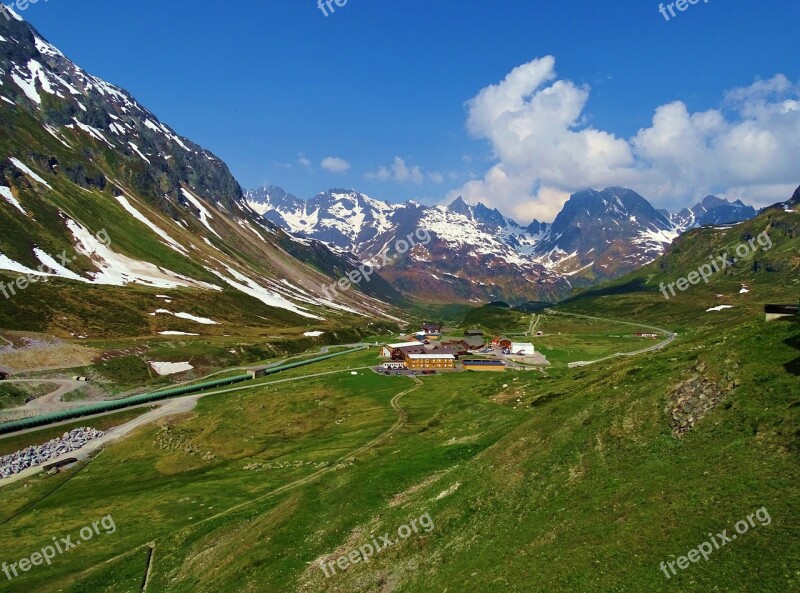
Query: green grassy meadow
pixel 570 481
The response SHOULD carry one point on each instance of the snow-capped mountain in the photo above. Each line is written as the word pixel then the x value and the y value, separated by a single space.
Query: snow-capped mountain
pixel 473 253
pixel 604 234
pixel 477 253
pixel 80 159
pixel 64 96
pixel 712 210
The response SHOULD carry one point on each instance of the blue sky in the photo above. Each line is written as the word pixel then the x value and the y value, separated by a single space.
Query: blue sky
pixel 261 83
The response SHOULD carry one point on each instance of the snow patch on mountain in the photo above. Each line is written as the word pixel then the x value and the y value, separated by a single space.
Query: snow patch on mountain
pixel 28 171
pixel 168 241
pixel 6 194
pixel 116 269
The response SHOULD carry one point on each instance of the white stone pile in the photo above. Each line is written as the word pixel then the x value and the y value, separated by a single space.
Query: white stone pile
pixel 32 456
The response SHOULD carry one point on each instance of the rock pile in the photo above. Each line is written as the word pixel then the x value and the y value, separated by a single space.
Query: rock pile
pixel 32 456
pixel 693 399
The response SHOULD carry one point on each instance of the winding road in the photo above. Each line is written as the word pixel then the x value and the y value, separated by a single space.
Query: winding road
pixel 661 345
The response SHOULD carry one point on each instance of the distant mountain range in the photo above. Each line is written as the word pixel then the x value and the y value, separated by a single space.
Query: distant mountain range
pixel 477 254
pixel 713 211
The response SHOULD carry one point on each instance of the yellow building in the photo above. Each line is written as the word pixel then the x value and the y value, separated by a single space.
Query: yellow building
pixel 430 362
pixel 485 365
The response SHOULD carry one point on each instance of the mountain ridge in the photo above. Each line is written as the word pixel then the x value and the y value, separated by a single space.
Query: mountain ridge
pixel 598 235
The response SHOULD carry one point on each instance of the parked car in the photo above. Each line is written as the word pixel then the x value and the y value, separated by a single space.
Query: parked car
pixel 386 373
pixel 3 376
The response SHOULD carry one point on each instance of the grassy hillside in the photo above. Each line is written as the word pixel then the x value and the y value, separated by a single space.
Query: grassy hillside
pixel 574 481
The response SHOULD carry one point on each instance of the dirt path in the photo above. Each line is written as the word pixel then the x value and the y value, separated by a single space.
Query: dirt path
pixel 51 401
pixel 402 418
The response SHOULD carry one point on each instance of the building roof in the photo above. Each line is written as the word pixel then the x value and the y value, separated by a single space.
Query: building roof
pixel 431 356
pixel 483 362
pixel 439 348
pixel 412 350
pixel 781 309
pixel 517 346
pixel 405 344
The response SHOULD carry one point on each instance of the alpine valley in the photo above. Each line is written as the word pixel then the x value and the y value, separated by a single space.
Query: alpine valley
pixel 199 386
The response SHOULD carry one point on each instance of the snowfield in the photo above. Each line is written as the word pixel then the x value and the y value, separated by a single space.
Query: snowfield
pixel 176 333
pixel 168 241
pixel 719 308
pixel 190 317
pixel 170 368
pixel 5 192
pixel 118 270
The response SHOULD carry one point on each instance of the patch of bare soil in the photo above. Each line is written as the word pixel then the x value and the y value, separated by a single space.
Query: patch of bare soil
pixel 25 352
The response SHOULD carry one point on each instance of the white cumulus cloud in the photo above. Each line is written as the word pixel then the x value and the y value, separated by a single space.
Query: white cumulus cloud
pixel 545 149
pixel 400 172
pixel 334 164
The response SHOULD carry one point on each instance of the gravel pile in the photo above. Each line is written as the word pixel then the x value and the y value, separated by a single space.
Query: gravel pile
pixel 32 456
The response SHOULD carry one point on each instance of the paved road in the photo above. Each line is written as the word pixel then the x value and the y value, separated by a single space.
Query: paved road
pixel 670 338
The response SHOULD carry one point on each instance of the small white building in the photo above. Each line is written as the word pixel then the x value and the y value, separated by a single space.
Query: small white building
pixel 387 349
pixel 394 366
pixel 522 349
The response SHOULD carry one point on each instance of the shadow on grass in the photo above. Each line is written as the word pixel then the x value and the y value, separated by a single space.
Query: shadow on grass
pixel 634 286
pixel 793 366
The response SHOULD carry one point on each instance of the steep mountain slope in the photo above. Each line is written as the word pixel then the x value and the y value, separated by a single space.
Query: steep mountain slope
pixel 101 203
pixel 604 234
pixel 794 200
